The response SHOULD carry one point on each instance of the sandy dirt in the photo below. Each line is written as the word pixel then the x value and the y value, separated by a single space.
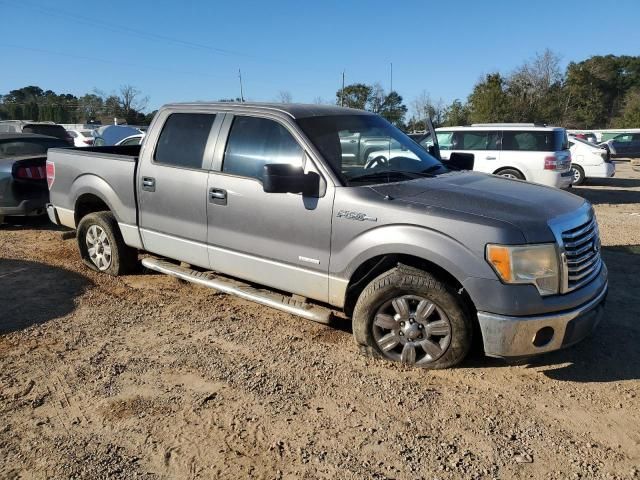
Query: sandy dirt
pixel 146 377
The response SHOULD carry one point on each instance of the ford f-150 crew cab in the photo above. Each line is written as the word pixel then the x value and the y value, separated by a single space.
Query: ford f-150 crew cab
pixel 259 200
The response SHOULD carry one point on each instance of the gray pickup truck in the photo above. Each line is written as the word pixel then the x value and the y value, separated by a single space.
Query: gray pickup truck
pixel 259 201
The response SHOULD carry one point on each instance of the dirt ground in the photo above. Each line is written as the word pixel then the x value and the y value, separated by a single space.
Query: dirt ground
pixel 146 377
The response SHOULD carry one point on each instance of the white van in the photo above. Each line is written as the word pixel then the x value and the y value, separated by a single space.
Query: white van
pixel 525 151
pixel 589 161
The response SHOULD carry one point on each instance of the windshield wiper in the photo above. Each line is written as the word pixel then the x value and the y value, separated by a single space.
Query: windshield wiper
pixel 389 173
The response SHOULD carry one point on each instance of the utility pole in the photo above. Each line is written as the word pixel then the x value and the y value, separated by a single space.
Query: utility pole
pixel 342 93
pixel 391 87
pixel 241 93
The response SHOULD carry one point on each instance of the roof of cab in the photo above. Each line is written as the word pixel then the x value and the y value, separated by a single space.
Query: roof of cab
pixel 293 110
pixel 503 126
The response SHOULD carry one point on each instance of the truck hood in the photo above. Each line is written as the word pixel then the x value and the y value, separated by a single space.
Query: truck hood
pixel 527 206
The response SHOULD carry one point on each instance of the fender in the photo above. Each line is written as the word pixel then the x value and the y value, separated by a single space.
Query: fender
pixel 431 245
pixel 93 184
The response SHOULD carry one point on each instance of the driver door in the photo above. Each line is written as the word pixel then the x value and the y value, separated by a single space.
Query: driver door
pixel 281 240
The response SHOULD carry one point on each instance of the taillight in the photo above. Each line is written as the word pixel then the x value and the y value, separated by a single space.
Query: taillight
pixel 551 163
pixel 51 173
pixel 30 173
pixel 88 141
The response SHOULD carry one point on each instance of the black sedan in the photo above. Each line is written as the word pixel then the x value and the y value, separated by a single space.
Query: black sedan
pixel 23 175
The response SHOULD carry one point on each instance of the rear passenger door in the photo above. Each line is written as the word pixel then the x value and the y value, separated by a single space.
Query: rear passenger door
pixel 172 186
pixel 281 240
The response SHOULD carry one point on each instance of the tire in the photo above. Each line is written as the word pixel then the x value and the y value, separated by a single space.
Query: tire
pixel 578 175
pixel 435 331
pixel 111 255
pixel 510 173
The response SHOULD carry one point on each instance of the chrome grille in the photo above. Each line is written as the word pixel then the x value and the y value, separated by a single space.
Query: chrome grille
pixel 581 246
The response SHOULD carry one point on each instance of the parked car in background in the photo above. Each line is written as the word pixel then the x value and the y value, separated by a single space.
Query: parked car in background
pixel 23 179
pixel 587 136
pixel 110 135
pixel 132 140
pixel 589 161
pixel 420 257
pixel 81 138
pixel 356 147
pixel 528 152
pixel 624 145
pixel 41 128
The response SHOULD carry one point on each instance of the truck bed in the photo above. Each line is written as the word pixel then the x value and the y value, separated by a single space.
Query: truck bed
pixel 109 173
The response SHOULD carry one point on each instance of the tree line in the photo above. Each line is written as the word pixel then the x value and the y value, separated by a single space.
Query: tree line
pixel 34 103
pixel 599 92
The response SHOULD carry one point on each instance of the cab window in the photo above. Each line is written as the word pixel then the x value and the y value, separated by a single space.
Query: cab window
pixel 183 139
pixel 254 142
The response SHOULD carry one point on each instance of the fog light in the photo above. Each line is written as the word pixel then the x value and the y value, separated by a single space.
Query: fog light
pixel 543 336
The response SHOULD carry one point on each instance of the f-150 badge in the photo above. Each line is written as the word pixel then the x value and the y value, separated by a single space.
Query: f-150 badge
pixel 361 217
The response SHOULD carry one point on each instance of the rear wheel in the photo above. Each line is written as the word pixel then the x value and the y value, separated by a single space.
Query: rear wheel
pixel 102 247
pixel 510 173
pixel 578 174
pixel 407 315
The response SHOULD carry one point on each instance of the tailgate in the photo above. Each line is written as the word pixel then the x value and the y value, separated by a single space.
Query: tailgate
pixel 107 175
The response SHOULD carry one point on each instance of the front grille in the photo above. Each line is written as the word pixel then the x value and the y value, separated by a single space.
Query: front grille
pixel 582 250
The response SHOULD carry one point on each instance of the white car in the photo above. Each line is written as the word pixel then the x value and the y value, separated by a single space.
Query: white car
pixel 526 151
pixel 589 161
pixel 81 138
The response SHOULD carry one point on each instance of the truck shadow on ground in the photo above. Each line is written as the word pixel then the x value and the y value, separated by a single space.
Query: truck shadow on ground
pixel 596 191
pixel 612 352
pixel 32 293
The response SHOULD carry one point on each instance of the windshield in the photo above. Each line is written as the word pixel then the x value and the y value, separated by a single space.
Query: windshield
pixel 19 148
pixel 367 149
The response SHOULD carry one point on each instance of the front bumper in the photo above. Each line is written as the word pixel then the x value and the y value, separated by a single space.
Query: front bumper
pixel 506 336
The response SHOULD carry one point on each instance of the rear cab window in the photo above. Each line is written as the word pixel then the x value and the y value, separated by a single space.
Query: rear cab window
pixel 183 140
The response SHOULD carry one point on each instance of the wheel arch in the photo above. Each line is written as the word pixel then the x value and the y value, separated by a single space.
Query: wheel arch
pixel 90 189
pixel 501 169
pixel 375 266
pixel 87 203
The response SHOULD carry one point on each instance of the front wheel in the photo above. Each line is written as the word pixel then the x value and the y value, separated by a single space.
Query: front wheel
pixel 407 315
pixel 102 247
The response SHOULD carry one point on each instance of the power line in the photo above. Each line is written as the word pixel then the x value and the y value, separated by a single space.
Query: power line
pixel 122 28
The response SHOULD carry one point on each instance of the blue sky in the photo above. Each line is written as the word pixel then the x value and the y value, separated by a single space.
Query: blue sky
pixel 181 51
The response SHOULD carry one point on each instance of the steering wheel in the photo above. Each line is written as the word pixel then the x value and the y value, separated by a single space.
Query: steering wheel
pixel 378 161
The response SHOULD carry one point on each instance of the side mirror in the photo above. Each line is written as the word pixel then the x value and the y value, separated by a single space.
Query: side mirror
pixel 460 161
pixel 285 178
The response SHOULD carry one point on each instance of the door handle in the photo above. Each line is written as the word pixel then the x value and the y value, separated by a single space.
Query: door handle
pixel 149 184
pixel 218 196
pixel 490 158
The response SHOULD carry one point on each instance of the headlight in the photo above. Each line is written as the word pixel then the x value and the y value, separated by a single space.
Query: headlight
pixel 534 264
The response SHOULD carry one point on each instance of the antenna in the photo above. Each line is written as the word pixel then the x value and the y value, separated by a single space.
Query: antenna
pixel 241 93
pixel 342 93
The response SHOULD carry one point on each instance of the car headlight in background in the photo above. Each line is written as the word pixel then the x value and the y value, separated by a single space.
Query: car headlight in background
pixel 533 264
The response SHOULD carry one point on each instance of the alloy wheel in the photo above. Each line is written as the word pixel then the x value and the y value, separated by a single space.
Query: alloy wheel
pixel 412 329
pixel 98 247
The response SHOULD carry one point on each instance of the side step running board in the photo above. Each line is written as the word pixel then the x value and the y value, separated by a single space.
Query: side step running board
pixel 242 290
